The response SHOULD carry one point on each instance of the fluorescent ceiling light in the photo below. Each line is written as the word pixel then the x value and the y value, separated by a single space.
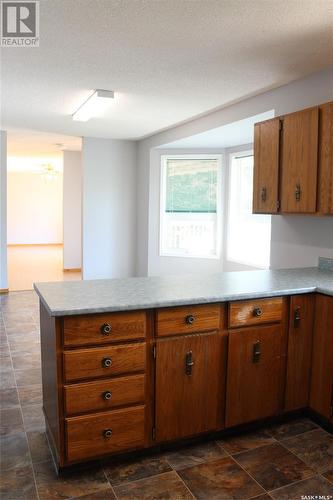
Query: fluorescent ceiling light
pixel 94 105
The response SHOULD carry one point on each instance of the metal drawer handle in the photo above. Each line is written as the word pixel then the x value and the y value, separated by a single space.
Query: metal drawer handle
pixel 256 351
pixel 257 312
pixel 189 363
pixel 107 395
pixel 107 433
pixel 297 316
pixel 106 329
pixel 263 194
pixel 298 192
pixel 107 362
pixel 190 319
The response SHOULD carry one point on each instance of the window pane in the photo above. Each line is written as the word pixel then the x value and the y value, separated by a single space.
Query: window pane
pixel 248 234
pixel 189 213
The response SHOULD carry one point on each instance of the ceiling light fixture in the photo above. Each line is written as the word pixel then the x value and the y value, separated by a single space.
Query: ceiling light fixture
pixel 94 105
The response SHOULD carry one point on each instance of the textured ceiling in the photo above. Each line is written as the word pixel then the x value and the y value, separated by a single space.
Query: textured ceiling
pixel 167 60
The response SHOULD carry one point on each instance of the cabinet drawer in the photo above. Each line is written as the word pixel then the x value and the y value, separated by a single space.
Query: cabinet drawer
pixel 252 312
pixel 104 328
pixel 87 436
pixel 104 394
pixel 187 319
pixel 104 361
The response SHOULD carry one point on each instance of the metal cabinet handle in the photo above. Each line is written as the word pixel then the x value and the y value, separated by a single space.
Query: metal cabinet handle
pixel 107 433
pixel 257 312
pixel 190 319
pixel 106 329
pixel 297 316
pixel 107 362
pixel 298 192
pixel 107 395
pixel 256 351
pixel 189 363
pixel 263 194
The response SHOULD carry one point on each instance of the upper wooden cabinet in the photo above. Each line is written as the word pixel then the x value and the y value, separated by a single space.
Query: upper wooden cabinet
pixel 266 166
pixel 293 158
pixel 299 162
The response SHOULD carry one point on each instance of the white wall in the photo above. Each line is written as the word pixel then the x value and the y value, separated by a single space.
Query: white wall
pixel 34 209
pixel 108 208
pixel 3 210
pixel 315 89
pixel 72 209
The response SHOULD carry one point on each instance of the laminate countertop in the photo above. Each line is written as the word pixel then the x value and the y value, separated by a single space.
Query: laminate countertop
pixel 64 298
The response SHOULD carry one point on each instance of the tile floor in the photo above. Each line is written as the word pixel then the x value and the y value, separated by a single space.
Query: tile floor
pixel 280 462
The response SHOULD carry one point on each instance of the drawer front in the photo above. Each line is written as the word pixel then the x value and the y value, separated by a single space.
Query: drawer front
pixel 253 312
pixel 104 328
pixel 104 361
pixel 102 433
pixel 187 319
pixel 104 394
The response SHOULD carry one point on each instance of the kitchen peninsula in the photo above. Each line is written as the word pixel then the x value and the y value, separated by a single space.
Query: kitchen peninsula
pixel 134 363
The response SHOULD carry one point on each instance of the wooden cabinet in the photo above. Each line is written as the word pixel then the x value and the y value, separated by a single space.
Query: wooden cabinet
pixel 256 312
pixel 321 395
pixel 325 172
pixel 266 166
pixel 301 320
pixel 255 374
pixel 293 157
pixel 299 162
pixel 189 385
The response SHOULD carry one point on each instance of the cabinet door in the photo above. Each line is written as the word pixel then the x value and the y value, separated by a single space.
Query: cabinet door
pixel 299 351
pixel 325 172
pixel 189 385
pixel 299 162
pixel 322 358
pixel 254 378
pixel 266 166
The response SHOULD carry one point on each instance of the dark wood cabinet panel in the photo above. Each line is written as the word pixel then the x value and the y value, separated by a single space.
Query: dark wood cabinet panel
pixel 299 162
pixel 187 319
pixel 255 374
pixel 325 172
pixel 189 397
pixel 256 312
pixel 301 320
pixel 321 395
pixel 266 166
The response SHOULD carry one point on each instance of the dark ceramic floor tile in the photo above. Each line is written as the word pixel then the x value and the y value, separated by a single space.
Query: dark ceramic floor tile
pixel 273 466
pixel 18 484
pixel 100 495
pixel 246 441
pixel 193 455
pixel 24 346
pixel 26 361
pixel 220 479
pixel 30 395
pixel 4 350
pixel 7 380
pixel 14 451
pixel 167 486
pixel 28 377
pixel 135 469
pixel 33 418
pixel 315 448
pixel 9 398
pixel 265 496
pixel 329 475
pixel 314 488
pixel 291 429
pixel 70 484
pixel 11 421
pixel 38 445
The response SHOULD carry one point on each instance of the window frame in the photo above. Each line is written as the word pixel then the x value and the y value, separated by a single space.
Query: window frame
pixel 236 153
pixel 219 204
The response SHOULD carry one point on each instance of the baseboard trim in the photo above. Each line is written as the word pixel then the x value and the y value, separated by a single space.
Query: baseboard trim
pixel 72 270
pixel 4 290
